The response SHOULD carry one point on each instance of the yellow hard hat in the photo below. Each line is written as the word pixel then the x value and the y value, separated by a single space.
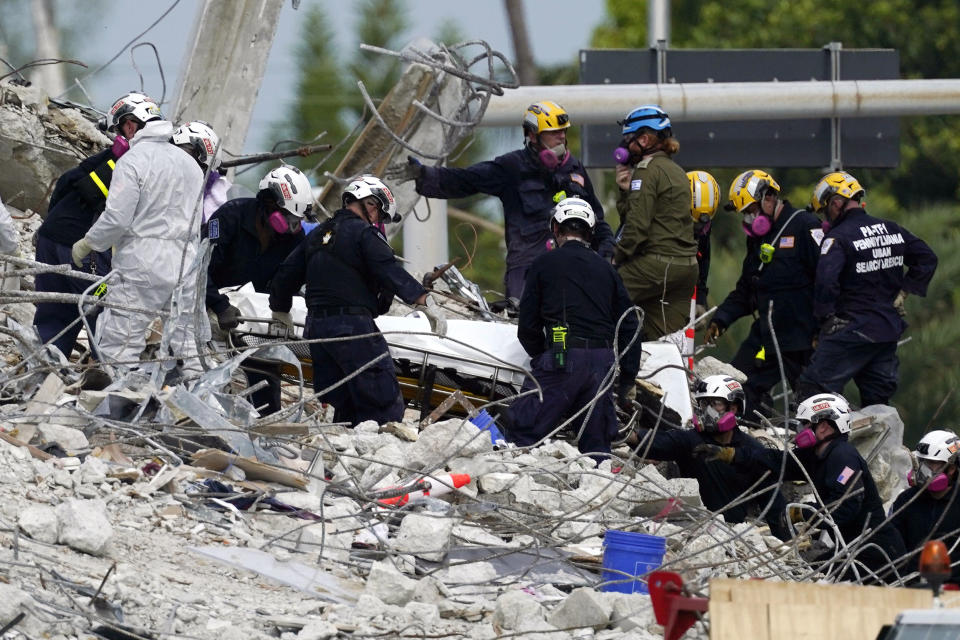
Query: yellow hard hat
pixel 545 116
pixel 838 183
pixel 749 187
pixel 704 195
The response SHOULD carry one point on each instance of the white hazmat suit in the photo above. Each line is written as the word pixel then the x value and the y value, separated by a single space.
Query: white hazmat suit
pixel 9 243
pixel 9 238
pixel 150 223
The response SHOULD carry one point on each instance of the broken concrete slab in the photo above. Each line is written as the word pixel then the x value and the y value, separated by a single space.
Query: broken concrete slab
pixel 40 522
pixel 877 433
pixel 67 437
pixel 584 607
pixel 386 583
pixel 83 525
pixel 424 535
pixel 39 142
pixel 513 608
pixel 447 439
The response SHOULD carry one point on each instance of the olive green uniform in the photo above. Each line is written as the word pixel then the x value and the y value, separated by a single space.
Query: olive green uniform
pixel 656 252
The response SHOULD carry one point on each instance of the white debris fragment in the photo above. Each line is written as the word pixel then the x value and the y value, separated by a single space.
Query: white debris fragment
pixel 438 440
pixel 513 608
pixel 40 523
pixel 67 437
pixel 386 583
pixel 497 482
pixel 584 607
pixel 424 535
pixel 83 525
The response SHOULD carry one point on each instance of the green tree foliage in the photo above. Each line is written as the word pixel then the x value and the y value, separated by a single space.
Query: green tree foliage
pixel 926 34
pixel 329 100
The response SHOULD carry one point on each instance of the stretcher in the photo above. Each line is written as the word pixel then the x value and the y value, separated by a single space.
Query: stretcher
pixel 482 359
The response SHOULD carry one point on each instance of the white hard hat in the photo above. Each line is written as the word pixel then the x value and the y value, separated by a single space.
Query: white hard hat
pixel 204 141
pixel 722 387
pixel 366 186
pixel 141 107
pixel 290 188
pixel 826 406
pixel 570 209
pixel 939 445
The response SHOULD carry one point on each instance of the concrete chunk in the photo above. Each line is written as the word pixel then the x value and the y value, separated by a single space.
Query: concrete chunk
pixel 390 586
pixel 425 536
pixel 497 482
pixel 513 608
pixel 582 608
pixel 446 439
pixel 318 630
pixel 67 437
pixel 40 523
pixel 83 525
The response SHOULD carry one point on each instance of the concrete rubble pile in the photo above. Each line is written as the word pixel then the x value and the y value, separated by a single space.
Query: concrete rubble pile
pixel 39 141
pixel 514 550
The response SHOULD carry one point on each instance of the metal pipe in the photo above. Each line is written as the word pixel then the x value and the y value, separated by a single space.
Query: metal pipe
pixel 715 101
pixel 658 22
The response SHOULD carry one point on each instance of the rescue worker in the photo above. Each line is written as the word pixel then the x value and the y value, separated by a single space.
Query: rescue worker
pixel 860 290
pixel 780 264
pixel 152 222
pixel 352 275
pixel 839 474
pixel 704 202
pixel 930 508
pixel 528 182
pixel 656 252
pixel 78 199
pixel 251 238
pixel 571 304
pixel 720 403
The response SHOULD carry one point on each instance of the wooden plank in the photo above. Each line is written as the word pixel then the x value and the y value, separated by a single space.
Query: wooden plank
pixel 218 460
pixel 737 621
pixel 36 453
pixel 798 622
pixel 281 429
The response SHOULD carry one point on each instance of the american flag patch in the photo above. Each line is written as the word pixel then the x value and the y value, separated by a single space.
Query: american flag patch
pixel 845 475
pixel 576 177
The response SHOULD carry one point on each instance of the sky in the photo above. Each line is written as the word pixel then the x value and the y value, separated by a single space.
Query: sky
pixel 556 36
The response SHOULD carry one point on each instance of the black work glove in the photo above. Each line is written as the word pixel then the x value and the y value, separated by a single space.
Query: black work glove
pixel 229 318
pixel 832 325
pixel 714 331
pixel 405 172
pixel 709 452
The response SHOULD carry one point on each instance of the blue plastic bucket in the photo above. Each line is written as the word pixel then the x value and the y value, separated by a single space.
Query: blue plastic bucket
pixel 484 422
pixel 633 554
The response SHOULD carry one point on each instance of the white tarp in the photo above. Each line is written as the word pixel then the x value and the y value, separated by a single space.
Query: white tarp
pixel 474 347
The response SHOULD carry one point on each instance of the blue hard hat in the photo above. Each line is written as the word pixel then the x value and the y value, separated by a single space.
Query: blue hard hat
pixel 649 116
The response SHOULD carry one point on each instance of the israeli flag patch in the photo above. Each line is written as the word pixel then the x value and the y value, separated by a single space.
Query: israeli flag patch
pixel 213 229
pixel 635 185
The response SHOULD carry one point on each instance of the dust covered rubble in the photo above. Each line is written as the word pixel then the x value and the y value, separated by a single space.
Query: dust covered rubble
pixel 432 567
pixel 39 141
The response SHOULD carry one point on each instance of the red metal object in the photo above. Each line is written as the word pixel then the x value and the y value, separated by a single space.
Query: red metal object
pixel 672 609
